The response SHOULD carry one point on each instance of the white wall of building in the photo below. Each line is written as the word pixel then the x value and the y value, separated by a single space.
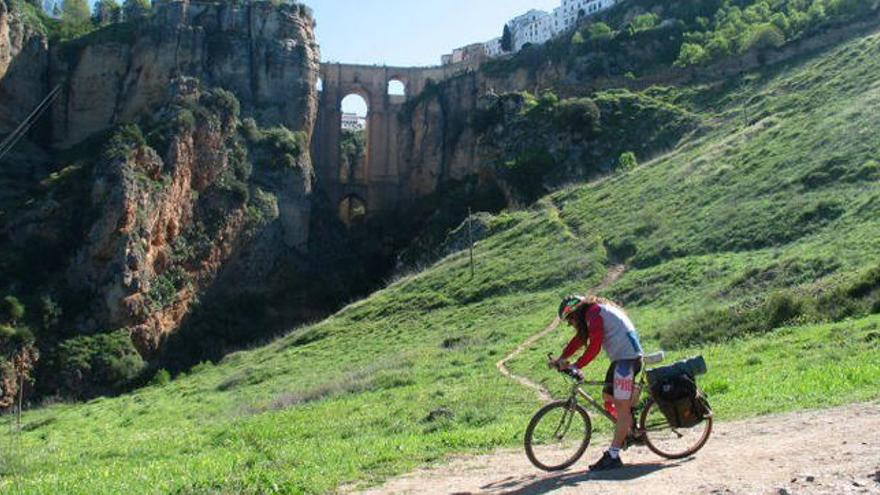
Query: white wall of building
pixel 353 122
pixel 536 27
pixel 493 47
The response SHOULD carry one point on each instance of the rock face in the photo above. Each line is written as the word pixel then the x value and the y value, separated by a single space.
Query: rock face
pixel 24 62
pixel 265 54
pixel 170 222
pixel 205 182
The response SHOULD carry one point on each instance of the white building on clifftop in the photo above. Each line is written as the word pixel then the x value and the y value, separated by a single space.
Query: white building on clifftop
pixel 535 27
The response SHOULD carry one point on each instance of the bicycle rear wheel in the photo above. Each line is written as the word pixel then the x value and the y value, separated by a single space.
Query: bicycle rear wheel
pixel 667 441
pixel 558 435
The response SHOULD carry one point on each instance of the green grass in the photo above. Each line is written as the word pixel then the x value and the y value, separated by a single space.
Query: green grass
pixel 725 219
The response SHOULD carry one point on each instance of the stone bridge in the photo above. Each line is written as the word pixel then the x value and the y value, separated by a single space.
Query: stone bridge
pixel 375 185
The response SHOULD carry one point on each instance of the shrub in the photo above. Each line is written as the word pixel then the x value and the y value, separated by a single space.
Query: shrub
pixel 106 12
pixel 184 121
pixel 161 378
pixel 75 18
pixel 645 21
pixel 135 9
pixel 691 54
pixel 223 102
pixel 766 37
pixel 783 307
pixel 13 309
pixel 124 140
pixel 627 161
pixel 599 30
pixel 280 147
pixel 526 173
pixel 578 114
pixel 51 310
pixel 96 364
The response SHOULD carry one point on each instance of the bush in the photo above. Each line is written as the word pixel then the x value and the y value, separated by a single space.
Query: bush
pixel 97 364
pixel 645 21
pixel 627 161
pixel 223 102
pixel 124 140
pixel 161 378
pixel 12 309
pixel 783 307
pixel 599 30
pixel 526 173
pixel 51 311
pixel 280 146
pixel 106 12
pixel 135 9
pixel 766 37
pixel 859 298
pixel 578 114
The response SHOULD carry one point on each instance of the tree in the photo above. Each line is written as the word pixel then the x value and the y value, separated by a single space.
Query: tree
pixel 507 39
pixel 767 36
pixel 691 54
pixel 106 12
pixel 13 310
pixel 599 30
pixel 627 161
pixel 135 9
pixel 645 21
pixel 75 17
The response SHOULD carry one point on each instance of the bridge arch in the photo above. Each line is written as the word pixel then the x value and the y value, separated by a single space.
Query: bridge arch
pixel 352 210
pixel 381 182
pixel 397 86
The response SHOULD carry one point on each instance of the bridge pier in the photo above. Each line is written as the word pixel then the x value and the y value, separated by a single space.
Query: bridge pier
pixel 379 184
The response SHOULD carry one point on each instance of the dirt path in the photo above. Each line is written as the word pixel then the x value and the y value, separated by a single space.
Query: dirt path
pixel 613 274
pixel 835 451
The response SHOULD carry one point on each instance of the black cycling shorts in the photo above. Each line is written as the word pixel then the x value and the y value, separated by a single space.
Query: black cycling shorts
pixel 621 378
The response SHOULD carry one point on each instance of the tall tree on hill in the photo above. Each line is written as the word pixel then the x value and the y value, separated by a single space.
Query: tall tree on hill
pixel 135 9
pixel 75 18
pixel 507 39
pixel 106 12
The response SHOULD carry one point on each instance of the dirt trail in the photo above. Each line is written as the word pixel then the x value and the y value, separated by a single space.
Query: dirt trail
pixel 613 274
pixel 834 451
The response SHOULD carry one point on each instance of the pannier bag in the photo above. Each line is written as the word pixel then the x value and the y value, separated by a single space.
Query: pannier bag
pixel 676 393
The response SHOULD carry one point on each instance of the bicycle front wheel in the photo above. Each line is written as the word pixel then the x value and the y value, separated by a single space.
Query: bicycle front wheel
pixel 667 441
pixel 558 435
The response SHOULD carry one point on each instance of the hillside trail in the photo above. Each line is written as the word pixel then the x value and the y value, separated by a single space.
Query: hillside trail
pixel 835 451
pixel 614 273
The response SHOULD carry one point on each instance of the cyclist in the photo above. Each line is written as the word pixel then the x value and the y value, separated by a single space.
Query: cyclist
pixel 599 323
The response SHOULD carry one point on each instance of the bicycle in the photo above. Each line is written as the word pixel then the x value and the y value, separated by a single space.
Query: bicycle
pixel 550 448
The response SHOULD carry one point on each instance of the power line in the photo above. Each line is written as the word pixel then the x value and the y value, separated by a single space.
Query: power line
pixel 26 125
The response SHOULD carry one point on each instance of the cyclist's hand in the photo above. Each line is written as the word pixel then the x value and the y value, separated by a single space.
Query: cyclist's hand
pixel 557 364
pixel 574 372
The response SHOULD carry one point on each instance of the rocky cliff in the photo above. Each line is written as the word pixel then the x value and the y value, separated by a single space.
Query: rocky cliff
pixel 265 54
pixel 24 63
pixel 179 175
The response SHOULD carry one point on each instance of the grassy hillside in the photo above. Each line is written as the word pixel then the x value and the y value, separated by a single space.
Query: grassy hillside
pixel 776 192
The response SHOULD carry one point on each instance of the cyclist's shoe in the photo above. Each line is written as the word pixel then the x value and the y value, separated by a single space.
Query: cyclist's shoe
pixel 606 463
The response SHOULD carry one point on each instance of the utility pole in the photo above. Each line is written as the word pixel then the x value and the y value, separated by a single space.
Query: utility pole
pixel 471 240
pixel 20 397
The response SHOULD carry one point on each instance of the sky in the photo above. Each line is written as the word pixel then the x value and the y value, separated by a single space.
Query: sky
pixel 408 32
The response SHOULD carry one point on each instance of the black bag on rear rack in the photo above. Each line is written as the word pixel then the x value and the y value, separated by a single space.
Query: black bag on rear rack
pixel 683 404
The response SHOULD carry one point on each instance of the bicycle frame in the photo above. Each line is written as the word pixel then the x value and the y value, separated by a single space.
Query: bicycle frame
pixel 576 391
